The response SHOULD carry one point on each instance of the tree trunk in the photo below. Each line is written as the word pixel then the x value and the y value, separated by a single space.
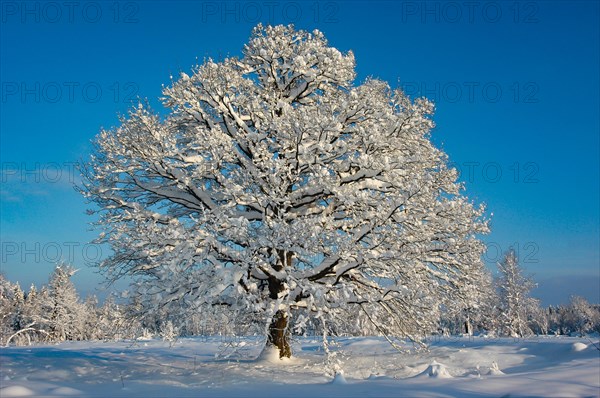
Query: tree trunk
pixel 468 329
pixel 467 324
pixel 279 334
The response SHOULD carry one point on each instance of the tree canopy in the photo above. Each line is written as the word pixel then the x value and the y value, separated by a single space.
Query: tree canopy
pixel 282 192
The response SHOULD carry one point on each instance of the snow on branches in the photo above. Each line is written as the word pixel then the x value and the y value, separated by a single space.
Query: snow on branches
pixel 277 187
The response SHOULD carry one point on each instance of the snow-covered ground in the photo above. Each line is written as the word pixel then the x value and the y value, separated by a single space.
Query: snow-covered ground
pixel 452 367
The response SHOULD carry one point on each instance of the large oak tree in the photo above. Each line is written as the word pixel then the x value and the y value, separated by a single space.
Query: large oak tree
pixel 277 187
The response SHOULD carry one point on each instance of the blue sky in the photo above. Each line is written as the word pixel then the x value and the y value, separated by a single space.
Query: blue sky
pixel 516 86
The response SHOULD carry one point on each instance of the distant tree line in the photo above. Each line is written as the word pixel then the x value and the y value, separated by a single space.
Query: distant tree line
pixel 505 308
pixel 56 313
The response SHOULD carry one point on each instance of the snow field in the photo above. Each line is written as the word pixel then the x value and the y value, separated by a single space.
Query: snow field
pixel 452 367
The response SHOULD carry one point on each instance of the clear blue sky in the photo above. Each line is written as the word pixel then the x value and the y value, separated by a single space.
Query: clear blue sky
pixel 516 86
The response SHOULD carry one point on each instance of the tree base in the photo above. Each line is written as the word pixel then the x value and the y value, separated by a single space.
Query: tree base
pixel 279 335
pixel 271 354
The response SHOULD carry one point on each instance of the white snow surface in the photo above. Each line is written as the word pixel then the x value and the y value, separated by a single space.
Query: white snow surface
pixel 452 367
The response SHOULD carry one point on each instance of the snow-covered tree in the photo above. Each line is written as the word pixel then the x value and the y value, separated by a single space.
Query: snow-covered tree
pixel 20 315
pixel 18 320
pixel 515 302
pixel 169 332
pixel 65 314
pixel 32 303
pixel 278 189
pixel 584 318
pixel 111 323
pixel 538 321
pixel 90 323
pixel 474 309
pixel 6 309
